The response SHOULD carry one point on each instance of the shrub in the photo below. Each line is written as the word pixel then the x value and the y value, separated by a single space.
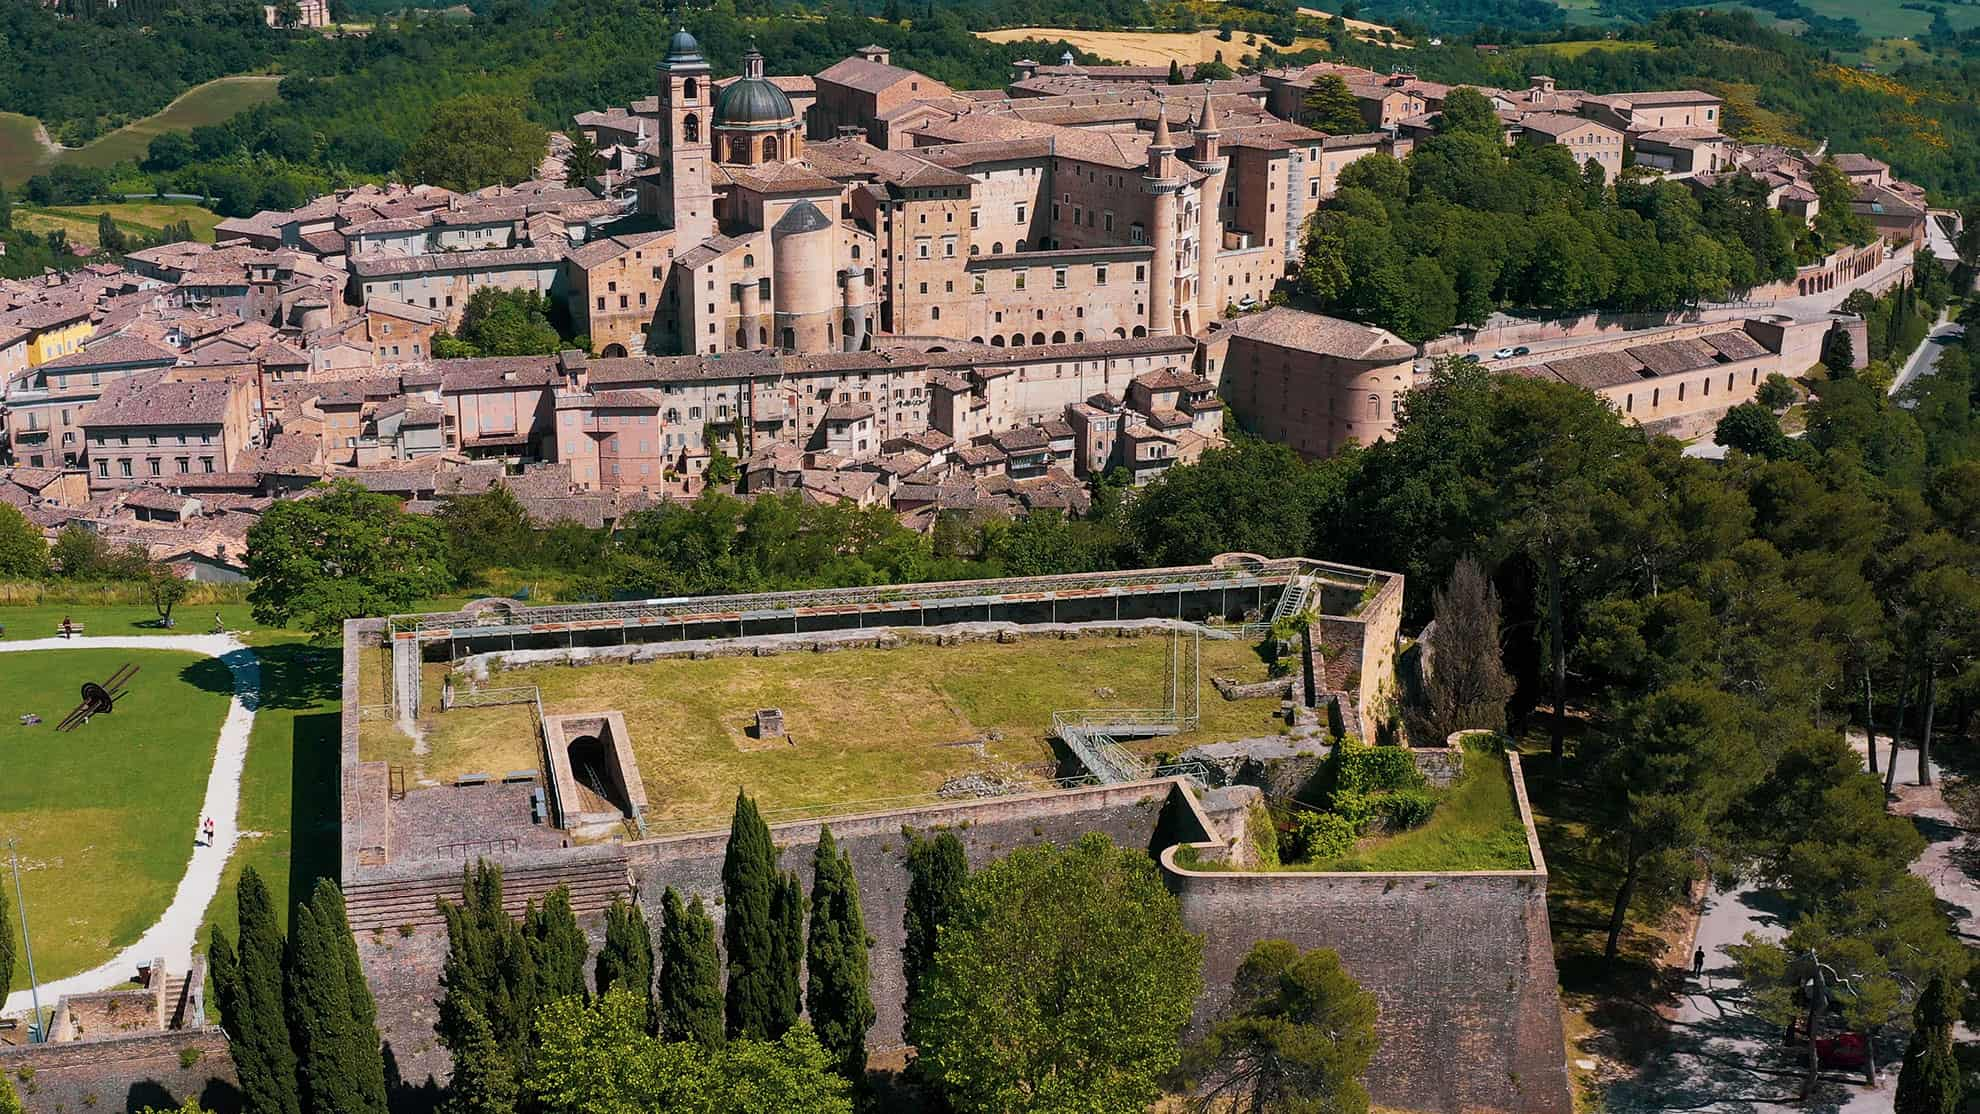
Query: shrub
pixel 1320 835
pixel 1356 768
pixel 1406 808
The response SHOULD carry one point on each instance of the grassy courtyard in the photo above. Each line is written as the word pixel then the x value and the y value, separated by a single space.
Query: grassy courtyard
pixel 864 725
pixel 1476 827
pixel 105 815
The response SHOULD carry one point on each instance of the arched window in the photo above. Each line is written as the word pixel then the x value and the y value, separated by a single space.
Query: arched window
pixel 673 415
pixel 763 336
pixel 1078 337
pixel 769 148
pixel 996 342
pixel 1120 334
pixel 1038 338
pixel 934 313
pixel 1019 247
pixel 1017 340
pixel 855 251
pixel 691 128
pixel 997 248
pixel 749 260
pixel 1058 338
pixel 739 150
pixel 1140 331
pixel 849 327
pixel 976 249
pixel 976 340
pixel 790 339
pixel 1374 407
pixel 742 338
pixel 690 90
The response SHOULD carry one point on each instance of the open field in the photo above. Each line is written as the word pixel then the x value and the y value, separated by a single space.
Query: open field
pixel 864 724
pixel 136 218
pixel 22 155
pixel 105 815
pixel 1147 48
pixel 1579 47
pixel 1476 827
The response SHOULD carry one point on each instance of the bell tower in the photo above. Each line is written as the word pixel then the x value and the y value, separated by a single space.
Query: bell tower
pixel 685 99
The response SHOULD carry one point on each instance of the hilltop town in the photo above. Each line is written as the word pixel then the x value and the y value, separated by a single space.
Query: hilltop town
pixel 859 284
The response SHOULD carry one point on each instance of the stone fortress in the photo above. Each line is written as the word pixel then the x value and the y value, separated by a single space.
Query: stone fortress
pixel 1461 961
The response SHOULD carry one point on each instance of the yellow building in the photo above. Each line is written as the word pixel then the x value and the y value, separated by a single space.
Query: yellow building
pixel 53 331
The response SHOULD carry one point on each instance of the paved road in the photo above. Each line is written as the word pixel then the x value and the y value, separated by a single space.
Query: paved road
pixel 173 935
pixel 1927 356
pixel 1723 1061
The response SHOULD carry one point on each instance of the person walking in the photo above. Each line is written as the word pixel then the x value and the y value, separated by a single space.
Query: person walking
pixel 1698 964
pixel 208 827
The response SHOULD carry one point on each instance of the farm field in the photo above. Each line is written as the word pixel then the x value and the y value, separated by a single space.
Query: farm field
pixel 864 725
pixel 22 156
pixel 1147 48
pixel 105 815
pixel 136 218
pixel 1579 47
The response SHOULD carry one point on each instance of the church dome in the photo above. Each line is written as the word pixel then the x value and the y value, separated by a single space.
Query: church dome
pixel 752 102
pixel 683 48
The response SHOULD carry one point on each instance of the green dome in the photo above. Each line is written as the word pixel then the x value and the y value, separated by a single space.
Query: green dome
pixel 752 102
pixel 684 48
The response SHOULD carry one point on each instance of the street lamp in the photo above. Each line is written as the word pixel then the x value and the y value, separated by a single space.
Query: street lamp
pixel 20 908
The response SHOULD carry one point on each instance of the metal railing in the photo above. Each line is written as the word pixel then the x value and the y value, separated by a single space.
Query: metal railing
pixel 713 822
pixel 488 698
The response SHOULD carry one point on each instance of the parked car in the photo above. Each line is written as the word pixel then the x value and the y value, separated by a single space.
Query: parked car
pixel 1522 350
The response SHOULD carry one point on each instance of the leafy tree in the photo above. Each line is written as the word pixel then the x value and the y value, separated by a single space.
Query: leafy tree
pixel 721 469
pixel 502 322
pixel 109 237
pixel 331 1013
pixel 1252 496
pixel 1931 1081
pixel 937 870
pixel 166 588
pixel 1330 107
pixel 487 530
pixel 1467 685
pixel 23 555
pixel 596 1058
pixel 1667 778
pixel 690 973
pixel 248 984
pixel 341 553
pixel 749 934
pixel 1777 391
pixel 1214 70
pixel 626 959
pixel 1062 982
pixel 1296 1039
pixel 476 141
pixel 1752 429
pixel 1467 111
pixel 836 996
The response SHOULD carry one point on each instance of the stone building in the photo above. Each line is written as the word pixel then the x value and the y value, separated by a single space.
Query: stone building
pixel 1311 382
pixel 150 427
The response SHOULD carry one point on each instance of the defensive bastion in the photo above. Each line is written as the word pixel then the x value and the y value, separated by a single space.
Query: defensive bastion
pixel 1460 961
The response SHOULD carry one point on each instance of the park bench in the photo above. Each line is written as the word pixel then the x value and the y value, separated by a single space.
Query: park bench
pixel 68 630
pixel 539 808
pixel 472 779
pixel 515 777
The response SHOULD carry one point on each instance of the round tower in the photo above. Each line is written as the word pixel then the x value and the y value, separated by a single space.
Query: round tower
pixel 1209 159
pixel 1162 181
pixel 802 288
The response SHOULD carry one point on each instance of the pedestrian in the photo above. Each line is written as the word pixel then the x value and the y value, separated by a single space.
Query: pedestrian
pixel 1698 963
pixel 209 832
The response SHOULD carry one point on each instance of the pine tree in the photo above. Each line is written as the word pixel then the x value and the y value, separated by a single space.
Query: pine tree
pixel 749 878
pixel 937 869
pixel 490 972
pixel 836 991
pixel 1930 1081
pixel 787 952
pixel 557 949
pixel 626 959
pixel 247 983
pixel 331 1012
pixel 484 1081
pixel 690 973
pixel 1175 72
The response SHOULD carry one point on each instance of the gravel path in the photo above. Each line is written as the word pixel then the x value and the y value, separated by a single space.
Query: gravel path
pixel 174 934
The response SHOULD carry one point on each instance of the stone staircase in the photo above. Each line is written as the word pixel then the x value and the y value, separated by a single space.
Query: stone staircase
pixel 415 901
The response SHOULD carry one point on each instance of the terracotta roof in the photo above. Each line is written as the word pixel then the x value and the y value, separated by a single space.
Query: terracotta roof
pixel 113 351
pixel 147 400
pixel 380 266
pixel 1326 336
pixel 869 77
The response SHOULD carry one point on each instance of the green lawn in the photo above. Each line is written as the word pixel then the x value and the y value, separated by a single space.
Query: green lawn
pixel 1577 48
pixel 864 724
pixel 1476 827
pixel 289 808
pixel 211 103
pixel 105 815
pixel 44 619
pixel 136 218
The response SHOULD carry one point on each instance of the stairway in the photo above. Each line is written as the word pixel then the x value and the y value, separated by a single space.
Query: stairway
pixel 386 905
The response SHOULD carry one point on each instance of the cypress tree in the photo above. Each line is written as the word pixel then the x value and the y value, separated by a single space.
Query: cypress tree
pixel 787 952
pixel 836 992
pixel 331 1011
pixel 749 878
pixel 489 972
pixel 557 949
pixel 247 982
pixel 690 973
pixel 626 960
pixel 1930 1081
pixel 6 917
pixel 484 1081
pixel 937 869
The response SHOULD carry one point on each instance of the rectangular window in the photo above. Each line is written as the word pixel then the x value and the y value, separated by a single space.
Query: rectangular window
pixel 103 468
pixel 153 465
pixel 124 467
pixel 976 284
pixel 975 217
pixel 1017 280
pixel 206 464
pixel 1099 276
pixel 1058 278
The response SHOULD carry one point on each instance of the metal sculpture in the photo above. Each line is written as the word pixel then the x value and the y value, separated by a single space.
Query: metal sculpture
pixel 98 699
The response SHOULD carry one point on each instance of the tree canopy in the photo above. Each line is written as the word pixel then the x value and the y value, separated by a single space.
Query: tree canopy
pixel 476 141
pixel 341 553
